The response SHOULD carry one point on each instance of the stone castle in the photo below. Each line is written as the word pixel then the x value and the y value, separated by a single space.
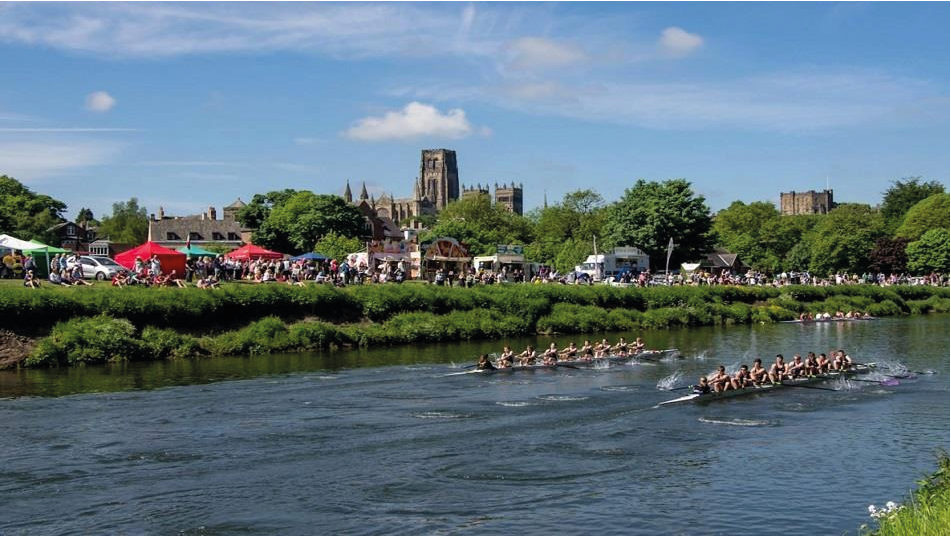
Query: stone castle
pixel 811 202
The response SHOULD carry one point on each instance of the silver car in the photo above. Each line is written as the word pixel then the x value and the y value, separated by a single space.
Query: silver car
pixel 99 267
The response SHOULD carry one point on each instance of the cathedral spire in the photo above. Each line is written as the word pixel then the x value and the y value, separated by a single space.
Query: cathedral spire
pixel 546 200
pixel 347 196
pixel 363 192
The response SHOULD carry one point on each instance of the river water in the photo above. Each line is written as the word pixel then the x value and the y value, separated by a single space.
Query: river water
pixel 382 442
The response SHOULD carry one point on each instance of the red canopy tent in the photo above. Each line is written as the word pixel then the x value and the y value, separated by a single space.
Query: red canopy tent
pixel 170 259
pixel 250 251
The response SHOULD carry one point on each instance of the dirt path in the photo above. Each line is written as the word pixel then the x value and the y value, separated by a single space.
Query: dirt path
pixel 14 348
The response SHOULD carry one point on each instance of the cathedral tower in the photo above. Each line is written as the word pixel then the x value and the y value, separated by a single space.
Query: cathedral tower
pixel 438 177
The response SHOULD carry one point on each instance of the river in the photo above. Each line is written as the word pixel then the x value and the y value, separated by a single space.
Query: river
pixel 382 442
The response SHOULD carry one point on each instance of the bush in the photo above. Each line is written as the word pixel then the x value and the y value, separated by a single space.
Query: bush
pixel 87 340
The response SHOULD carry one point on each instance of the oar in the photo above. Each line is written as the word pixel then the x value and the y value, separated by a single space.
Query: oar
pixel 682 387
pixel 808 387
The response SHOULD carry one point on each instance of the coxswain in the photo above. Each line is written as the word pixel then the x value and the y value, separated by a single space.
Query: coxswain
pixel 758 373
pixel 778 371
pixel 796 368
pixel 742 378
pixel 528 356
pixel 720 381
pixel 484 363
pixel 702 388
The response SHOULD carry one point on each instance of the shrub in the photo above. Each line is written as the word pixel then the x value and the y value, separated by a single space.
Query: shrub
pixel 87 340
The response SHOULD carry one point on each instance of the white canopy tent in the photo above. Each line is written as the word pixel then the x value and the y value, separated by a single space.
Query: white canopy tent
pixel 9 242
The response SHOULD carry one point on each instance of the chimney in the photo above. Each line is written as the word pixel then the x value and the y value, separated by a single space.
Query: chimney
pixel 212 214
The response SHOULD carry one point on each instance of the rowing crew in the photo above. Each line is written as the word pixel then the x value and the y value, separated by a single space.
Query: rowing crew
pixel 812 366
pixel 553 355
pixel 839 315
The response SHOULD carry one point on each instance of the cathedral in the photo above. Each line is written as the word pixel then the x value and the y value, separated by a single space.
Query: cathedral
pixel 435 187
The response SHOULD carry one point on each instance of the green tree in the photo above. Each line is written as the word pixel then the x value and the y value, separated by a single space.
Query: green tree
pixel 565 232
pixel 128 224
pixel 253 214
pixel 85 216
pixel 904 194
pixel 651 213
pixel 930 213
pixel 843 239
pixel 28 215
pixel 294 223
pixel 930 253
pixel 338 246
pixel 479 224
pixel 750 232
pixel 889 256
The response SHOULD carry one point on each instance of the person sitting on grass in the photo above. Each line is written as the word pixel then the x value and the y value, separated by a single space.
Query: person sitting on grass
pixel 76 277
pixel 208 282
pixel 30 280
pixel 179 282
pixel 57 279
pixel 121 279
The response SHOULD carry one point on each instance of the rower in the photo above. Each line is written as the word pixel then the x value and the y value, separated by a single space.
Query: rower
pixel 758 374
pixel 702 388
pixel 720 381
pixel 778 371
pixel 602 349
pixel 742 378
pixel 837 362
pixel 638 346
pixel 620 349
pixel 796 368
pixel 551 355
pixel 507 359
pixel 587 352
pixel 812 364
pixel 823 363
pixel 570 352
pixel 528 356
pixel 484 363
pixel 845 359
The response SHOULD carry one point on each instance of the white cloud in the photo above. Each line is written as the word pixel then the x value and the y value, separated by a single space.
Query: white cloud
pixel 100 102
pixel 542 53
pixel 33 161
pixel 678 42
pixel 413 121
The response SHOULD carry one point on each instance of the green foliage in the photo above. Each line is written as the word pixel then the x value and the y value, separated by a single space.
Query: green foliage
pixel 889 255
pixel 128 224
pixel 85 216
pixel 301 218
pixel 904 194
pixel 479 224
pixel 930 213
pixel 87 340
pixel 27 215
pixel 750 232
pixel 651 213
pixel 565 232
pixel 337 246
pixel 843 240
pixel 930 253
pixel 925 512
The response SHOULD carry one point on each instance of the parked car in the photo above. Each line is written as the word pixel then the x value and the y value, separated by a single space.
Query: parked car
pixel 99 267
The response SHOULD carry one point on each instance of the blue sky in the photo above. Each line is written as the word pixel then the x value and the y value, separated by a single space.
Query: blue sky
pixel 195 104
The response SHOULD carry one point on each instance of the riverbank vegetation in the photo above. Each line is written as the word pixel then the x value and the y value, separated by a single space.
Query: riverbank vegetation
pixel 99 324
pixel 925 512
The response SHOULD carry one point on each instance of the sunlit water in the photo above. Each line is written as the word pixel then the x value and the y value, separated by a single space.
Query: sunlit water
pixel 382 442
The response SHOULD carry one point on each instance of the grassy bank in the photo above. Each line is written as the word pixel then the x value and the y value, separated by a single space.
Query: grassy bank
pixel 101 323
pixel 926 512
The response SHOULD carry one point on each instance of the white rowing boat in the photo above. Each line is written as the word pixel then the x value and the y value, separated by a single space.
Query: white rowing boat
pixel 769 387
pixel 647 355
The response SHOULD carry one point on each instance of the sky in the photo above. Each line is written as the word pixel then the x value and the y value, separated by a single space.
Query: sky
pixel 190 105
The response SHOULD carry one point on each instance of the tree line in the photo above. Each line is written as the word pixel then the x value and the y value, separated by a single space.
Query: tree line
pixel 907 233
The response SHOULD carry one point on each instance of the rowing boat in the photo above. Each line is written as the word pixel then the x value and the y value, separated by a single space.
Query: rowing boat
pixel 769 387
pixel 826 320
pixel 647 355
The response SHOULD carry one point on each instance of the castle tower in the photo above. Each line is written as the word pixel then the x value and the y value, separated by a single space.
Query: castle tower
pixel 439 177
pixel 510 197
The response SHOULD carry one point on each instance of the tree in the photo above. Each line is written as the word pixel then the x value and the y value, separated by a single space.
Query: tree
pixel 930 253
pixel 564 233
pixel 930 213
pixel 479 224
pixel 843 239
pixel 128 224
pixel 337 246
pixel 749 231
pixel 904 194
pixel 651 213
pixel 28 215
pixel 296 221
pixel 888 255
pixel 254 213
pixel 85 217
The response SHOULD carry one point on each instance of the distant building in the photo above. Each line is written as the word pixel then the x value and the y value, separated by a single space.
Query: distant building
pixel 509 196
pixel 201 230
pixel 811 202
pixel 73 236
